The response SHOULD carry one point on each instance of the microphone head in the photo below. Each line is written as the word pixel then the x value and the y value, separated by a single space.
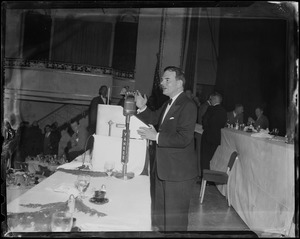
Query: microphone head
pixel 129 106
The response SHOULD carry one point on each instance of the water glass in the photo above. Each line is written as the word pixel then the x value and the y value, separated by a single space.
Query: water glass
pixel 61 222
pixel 82 183
pixel 109 167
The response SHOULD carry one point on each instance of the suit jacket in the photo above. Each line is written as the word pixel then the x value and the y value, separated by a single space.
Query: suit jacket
pixel 214 119
pixel 232 120
pixel 175 157
pixel 93 109
pixel 262 121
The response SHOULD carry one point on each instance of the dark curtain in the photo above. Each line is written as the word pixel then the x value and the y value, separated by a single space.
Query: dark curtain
pixel 37 30
pixel 81 42
pixel 125 42
pixel 252 67
pixel 191 52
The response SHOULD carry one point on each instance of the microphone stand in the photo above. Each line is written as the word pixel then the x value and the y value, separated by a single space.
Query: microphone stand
pixel 125 152
pixel 126 140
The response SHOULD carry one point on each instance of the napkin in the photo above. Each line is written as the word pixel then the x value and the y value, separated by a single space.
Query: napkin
pixel 72 165
pixel 262 134
pixel 66 188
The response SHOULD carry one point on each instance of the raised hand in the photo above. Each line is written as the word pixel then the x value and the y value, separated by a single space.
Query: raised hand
pixel 140 100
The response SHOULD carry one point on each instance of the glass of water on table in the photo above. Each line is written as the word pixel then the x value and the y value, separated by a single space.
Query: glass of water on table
pixel 61 221
pixel 109 168
pixel 82 183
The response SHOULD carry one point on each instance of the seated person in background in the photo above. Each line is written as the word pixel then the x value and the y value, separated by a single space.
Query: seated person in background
pixel 236 115
pixel 77 142
pixel 261 121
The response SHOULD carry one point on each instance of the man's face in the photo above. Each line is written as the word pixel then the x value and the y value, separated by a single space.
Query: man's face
pixel 103 92
pixel 239 110
pixel 258 112
pixel 213 100
pixel 169 84
pixel 74 126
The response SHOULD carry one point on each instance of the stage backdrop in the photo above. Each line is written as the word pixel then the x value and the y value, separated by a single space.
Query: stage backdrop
pixel 252 67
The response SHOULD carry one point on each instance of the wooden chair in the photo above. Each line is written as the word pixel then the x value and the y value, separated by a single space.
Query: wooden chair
pixel 218 177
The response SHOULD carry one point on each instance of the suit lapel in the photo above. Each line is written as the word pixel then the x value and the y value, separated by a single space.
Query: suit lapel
pixel 173 108
pixel 163 112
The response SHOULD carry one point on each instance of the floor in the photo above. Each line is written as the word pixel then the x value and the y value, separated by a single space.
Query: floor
pixel 214 218
pixel 214 215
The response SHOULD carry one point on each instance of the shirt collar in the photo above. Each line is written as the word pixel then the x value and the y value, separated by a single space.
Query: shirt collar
pixel 175 97
pixel 103 98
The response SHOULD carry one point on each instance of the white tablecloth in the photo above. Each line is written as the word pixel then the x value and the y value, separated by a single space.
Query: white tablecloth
pixel 262 181
pixel 128 208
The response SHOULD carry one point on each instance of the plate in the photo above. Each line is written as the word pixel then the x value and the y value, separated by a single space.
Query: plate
pixel 99 201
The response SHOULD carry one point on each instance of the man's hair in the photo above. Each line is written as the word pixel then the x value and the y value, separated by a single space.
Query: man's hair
pixel 179 73
pixel 101 88
pixel 261 107
pixel 218 95
pixel 238 105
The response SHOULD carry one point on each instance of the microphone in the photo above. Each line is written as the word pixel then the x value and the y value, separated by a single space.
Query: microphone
pixel 129 105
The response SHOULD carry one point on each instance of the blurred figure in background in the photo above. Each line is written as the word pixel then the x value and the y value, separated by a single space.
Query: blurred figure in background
pixel 93 109
pixel 189 94
pixel 213 121
pixel 36 139
pixel 77 142
pixel 55 138
pixel 123 94
pixel 261 120
pixel 202 110
pixel 237 115
pixel 47 149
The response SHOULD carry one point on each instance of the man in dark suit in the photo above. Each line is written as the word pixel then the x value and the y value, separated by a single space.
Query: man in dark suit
pixel 175 166
pixel 93 109
pixel 236 116
pixel 214 119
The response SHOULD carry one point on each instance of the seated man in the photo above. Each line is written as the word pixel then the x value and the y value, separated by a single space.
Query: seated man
pixel 236 116
pixel 77 142
pixel 261 121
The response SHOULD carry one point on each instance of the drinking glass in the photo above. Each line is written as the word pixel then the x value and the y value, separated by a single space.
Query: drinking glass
pixel 82 183
pixel 109 167
pixel 61 222
pixel 275 131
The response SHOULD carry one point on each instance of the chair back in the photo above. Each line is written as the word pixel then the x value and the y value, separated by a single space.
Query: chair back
pixel 232 159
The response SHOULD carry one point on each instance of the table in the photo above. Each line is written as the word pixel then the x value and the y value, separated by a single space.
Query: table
pixel 128 208
pixel 261 182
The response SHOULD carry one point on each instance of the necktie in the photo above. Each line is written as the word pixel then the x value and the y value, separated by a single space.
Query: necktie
pixel 169 101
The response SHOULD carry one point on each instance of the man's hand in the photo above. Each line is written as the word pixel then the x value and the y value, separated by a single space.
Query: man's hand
pixel 147 133
pixel 140 101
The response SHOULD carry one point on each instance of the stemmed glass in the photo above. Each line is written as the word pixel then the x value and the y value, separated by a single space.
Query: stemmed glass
pixel 82 183
pixel 61 222
pixel 109 167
